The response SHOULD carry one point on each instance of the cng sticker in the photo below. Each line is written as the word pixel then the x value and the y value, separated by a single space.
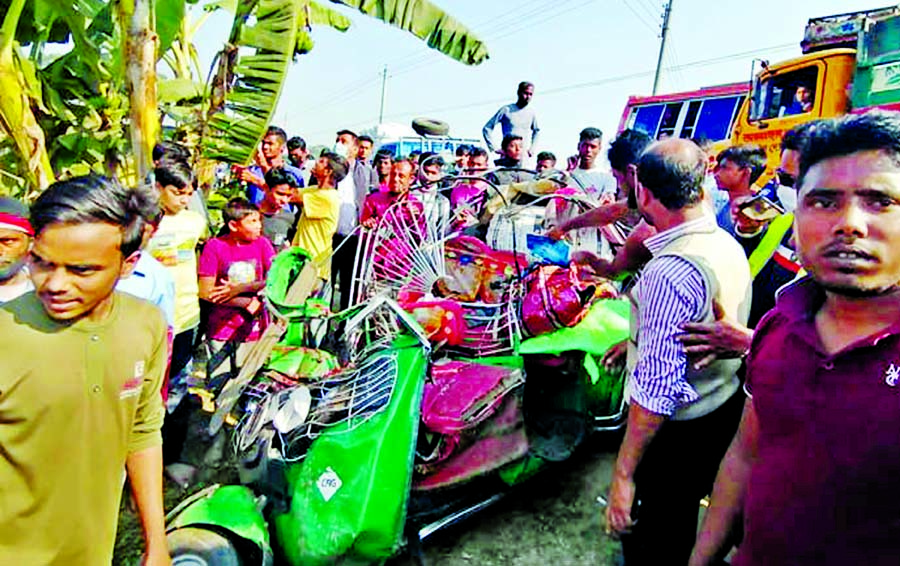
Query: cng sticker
pixel 885 77
pixel 328 483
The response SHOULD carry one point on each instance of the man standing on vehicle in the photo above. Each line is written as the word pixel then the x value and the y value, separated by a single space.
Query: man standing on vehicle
pixel 680 419
pixel 515 119
pixel 80 398
pixel 813 469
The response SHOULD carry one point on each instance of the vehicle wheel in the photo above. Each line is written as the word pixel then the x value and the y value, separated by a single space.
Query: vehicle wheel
pixel 201 547
pixel 427 127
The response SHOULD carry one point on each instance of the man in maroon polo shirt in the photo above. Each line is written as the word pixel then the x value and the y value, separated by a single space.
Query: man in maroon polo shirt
pixel 815 467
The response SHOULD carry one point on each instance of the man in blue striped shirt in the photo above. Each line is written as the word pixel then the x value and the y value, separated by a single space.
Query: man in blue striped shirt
pixel 681 418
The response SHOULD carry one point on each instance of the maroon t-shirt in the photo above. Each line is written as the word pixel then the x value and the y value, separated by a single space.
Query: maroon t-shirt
pixel 825 488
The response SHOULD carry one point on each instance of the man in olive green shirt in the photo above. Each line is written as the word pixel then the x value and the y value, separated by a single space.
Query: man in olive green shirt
pixel 80 374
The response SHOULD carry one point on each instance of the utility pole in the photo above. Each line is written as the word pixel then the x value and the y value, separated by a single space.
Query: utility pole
pixel 383 88
pixel 662 44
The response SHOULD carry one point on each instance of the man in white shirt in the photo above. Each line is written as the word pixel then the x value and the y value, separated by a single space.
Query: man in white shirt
pixel 515 119
pixel 584 168
pixel 15 243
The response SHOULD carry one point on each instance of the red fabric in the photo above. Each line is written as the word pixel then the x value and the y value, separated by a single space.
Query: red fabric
pixel 14 222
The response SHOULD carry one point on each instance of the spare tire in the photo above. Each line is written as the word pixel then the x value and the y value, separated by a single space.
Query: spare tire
pixel 427 127
pixel 192 546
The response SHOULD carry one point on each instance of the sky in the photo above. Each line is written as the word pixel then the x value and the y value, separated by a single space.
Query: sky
pixel 585 58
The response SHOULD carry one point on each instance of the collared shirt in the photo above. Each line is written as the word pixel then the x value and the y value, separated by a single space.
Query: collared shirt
pixel 824 486
pixel 152 282
pixel 671 292
pixel 76 399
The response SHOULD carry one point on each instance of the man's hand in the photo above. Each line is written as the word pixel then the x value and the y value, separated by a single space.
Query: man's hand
pixel 744 224
pixel 600 266
pixel 621 500
pixel 557 233
pixel 246 176
pixel 225 292
pixel 157 557
pixel 615 356
pixel 369 223
pixel 722 339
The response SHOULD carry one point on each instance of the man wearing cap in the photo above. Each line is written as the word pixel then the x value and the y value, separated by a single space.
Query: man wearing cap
pixel 15 241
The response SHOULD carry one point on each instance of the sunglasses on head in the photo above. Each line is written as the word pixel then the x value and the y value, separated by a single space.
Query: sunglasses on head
pixel 786 179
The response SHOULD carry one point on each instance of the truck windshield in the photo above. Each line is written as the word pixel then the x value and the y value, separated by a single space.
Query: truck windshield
pixel 785 94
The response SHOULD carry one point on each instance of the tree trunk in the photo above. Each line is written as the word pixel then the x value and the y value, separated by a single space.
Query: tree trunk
pixel 140 39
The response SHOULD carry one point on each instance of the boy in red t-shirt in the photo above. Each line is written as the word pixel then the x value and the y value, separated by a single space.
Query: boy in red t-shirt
pixel 232 271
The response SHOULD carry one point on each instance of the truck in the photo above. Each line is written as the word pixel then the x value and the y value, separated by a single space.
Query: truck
pixel 850 63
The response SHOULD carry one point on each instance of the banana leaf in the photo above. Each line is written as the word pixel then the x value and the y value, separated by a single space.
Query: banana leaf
pixel 427 22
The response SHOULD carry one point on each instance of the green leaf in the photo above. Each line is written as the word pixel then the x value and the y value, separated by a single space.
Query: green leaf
pixel 169 17
pixel 319 15
pixel 427 22
pixel 172 91
pixel 265 52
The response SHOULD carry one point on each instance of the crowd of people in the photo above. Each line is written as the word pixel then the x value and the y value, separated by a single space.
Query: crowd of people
pixel 763 360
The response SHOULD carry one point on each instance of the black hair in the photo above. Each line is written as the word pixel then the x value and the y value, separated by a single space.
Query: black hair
pixel 747 155
pixel 545 156
pixel 383 154
pixel 172 150
pixel 508 139
pixel 463 149
pixel 364 137
pixel 795 137
pixel 337 164
pixel 523 85
pixel 626 149
pixel 173 172
pixel 237 209
pixel 478 152
pixel 296 142
pixel 276 131
pixel 92 199
pixel 147 198
pixel 431 158
pixel 350 133
pixel 674 179
pixel 590 134
pixel 278 176
pixel 876 130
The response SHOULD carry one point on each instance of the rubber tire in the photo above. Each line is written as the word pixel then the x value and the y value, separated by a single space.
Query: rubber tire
pixel 192 546
pixel 427 127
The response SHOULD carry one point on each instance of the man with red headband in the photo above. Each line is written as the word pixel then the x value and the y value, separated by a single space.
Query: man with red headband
pixel 15 241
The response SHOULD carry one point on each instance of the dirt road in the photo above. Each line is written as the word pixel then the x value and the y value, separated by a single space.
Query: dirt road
pixel 555 521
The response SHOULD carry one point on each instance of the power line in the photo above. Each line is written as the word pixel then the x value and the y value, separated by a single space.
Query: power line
pixel 640 18
pixel 608 80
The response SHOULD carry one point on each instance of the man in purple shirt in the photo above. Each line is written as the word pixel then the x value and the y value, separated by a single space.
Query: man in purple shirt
pixel 814 467
pixel 680 417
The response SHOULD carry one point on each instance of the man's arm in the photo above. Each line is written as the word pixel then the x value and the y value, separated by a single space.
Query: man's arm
pixel 671 292
pixel 594 218
pixel 535 129
pixel 488 129
pixel 144 460
pixel 642 426
pixel 729 493
pixel 145 472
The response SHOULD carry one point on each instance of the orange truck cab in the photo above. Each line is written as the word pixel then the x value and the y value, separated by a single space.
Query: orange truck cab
pixel 830 79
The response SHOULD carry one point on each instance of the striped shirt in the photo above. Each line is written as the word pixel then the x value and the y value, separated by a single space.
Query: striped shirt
pixel 671 292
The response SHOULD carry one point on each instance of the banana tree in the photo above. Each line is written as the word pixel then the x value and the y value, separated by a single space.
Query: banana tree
pixel 18 87
pixel 139 40
pixel 253 65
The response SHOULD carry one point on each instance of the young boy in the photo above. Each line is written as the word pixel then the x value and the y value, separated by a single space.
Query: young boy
pixel 321 208
pixel 232 271
pixel 80 385
pixel 174 245
pixel 279 216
